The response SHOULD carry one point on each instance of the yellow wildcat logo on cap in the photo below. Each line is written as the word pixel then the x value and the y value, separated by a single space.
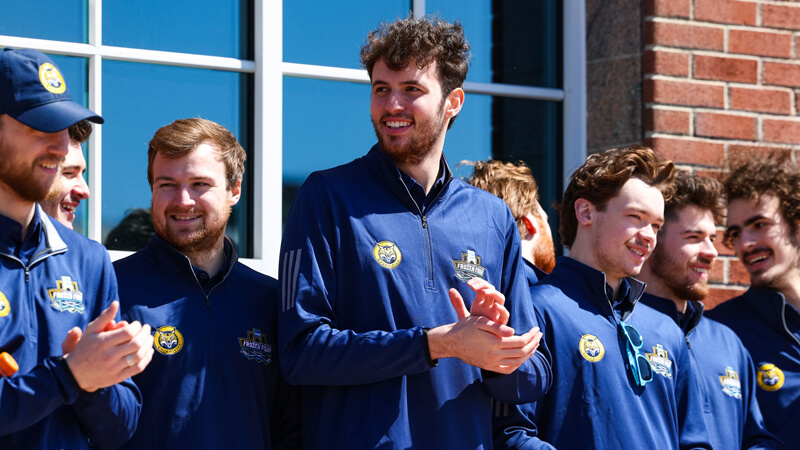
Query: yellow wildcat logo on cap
pixel 51 79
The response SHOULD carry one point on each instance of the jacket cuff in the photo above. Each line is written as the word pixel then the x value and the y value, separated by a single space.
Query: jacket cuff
pixel 70 389
pixel 431 362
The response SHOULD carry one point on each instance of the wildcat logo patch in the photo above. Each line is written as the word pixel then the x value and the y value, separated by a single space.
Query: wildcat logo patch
pixel 469 266
pixel 591 348
pixel 730 383
pixel 51 79
pixel 770 377
pixel 168 340
pixel 5 307
pixel 66 296
pixel 660 362
pixel 255 346
pixel 387 254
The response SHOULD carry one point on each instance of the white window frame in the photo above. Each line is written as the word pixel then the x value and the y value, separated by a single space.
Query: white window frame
pixel 269 69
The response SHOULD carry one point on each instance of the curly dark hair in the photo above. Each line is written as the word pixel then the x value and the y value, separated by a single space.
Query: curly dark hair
pixel 423 41
pixel 80 132
pixel 602 176
pixel 774 175
pixel 702 192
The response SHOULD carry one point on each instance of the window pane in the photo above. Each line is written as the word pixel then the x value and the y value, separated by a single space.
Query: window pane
pixel 206 27
pixel 329 33
pixel 140 98
pixel 46 19
pixel 512 42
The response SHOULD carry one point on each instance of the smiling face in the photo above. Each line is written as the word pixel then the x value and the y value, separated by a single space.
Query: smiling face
pixel 69 189
pixel 623 235
pixel 685 253
pixel 29 159
pixel 408 111
pixel 191 203
pixel 763 241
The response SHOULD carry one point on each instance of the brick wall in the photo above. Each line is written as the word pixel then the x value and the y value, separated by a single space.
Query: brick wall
pixel 721 80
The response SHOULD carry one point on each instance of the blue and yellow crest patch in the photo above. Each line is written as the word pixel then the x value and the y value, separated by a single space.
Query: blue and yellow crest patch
pixel 168 340
pixel 730 383
pixel 5 306
pixel 387 254
pixel 469 266
pixel 66 296
pixel 51 79
pixel 255 346
pixel 770 378
pixel 659 361
pixel 591 348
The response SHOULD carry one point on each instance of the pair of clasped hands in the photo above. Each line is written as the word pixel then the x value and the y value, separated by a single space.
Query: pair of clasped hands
pixel 107 352
pixel 482 337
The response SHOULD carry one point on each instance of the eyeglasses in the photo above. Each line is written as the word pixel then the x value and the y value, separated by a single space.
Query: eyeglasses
pixel 639 365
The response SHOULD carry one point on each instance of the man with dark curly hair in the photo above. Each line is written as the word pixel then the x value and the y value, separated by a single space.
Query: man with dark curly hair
pixel 677 280
pixel 370 252
pixel 624 379
pixel 763 217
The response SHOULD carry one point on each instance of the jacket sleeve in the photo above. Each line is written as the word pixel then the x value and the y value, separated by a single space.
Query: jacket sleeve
pixel 285 418
pixel 533 378
pixel 755 434
pixel 109 416
pixel 692 430
pixel 514 428
pixel 315 351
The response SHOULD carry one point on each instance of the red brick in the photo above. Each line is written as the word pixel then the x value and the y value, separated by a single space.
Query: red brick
pixel 729 126
pixel 666 63
pixel 777 130
pixel 781 74
pixel 761 43
pixel 684 93
pixel 780 16
pixel 717 272
pixel 737 274
pixel 666 121
pixel 737 154
pixel 719 244
pixel 761 100
pixel 688 150
pixel 715 174
pixel 684 35
pixel 725 69
pixel 725 11
pixel 718 294
pixel 667 8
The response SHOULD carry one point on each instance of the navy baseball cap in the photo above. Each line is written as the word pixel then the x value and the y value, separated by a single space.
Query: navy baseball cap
pixel 33 92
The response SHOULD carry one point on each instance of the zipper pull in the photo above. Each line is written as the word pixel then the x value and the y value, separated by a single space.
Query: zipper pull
pixel 424 222
pixel 208 302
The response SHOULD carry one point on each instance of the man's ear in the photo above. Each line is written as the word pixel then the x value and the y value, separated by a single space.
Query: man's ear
pixel 236 193
pixel 455 101
pixel 530 226
pixel 584 211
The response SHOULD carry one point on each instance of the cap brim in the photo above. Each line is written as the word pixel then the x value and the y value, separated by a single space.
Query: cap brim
pixel 56 116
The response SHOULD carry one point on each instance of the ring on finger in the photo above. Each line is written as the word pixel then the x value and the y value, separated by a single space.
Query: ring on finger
pixel 129 360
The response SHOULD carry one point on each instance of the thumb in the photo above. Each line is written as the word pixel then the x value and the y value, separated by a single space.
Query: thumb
pixel 73 336
pixel 458 304
pixel 104 319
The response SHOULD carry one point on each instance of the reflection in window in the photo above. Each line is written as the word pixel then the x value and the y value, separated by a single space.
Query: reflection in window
pixel 138 99
pixel 46 19
pixel 205 27
pixel 329 33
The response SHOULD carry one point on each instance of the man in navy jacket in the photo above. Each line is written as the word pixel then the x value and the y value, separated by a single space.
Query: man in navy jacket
pixel 677 279
pixel 763 229
pixel 73 387
pixel 372 249
pixel 214 381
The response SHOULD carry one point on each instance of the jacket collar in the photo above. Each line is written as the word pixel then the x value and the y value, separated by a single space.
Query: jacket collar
pixel 578 281
pixel 171 260
pixel 694 310
pixel 532 273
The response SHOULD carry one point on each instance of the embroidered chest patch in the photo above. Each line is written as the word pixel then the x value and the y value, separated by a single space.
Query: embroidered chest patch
pixel 168 340
pixel 730 383
pixel 469 266
pixel 255 347
pixel 5 307
pixel 66 296
pixel 770 377
pixel 660 362
pixel 591 348
pixel 387 254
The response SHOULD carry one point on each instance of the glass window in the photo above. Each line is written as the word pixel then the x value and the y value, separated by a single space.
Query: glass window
pixel 329 33
pixel 46 19
pixel 140 98
pixel 206 27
